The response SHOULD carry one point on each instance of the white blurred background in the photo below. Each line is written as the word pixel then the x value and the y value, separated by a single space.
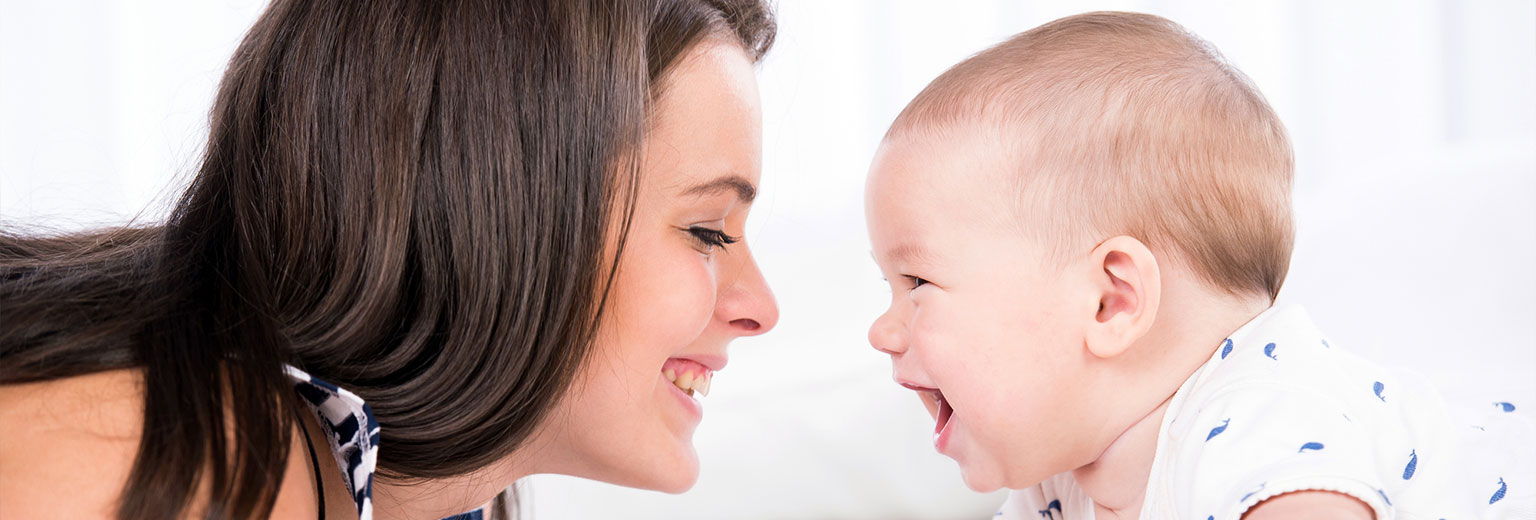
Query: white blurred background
pixel 1414 124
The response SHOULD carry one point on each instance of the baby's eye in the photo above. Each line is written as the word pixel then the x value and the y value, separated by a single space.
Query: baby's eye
pixel 711 238
pixel 916 281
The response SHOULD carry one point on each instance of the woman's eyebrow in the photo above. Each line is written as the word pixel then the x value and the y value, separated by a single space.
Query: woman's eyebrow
pixel 744 189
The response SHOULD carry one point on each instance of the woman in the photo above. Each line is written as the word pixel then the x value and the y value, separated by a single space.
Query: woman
pixel 509 232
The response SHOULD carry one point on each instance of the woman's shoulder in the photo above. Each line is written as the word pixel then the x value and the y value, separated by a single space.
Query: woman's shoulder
pixel 67 445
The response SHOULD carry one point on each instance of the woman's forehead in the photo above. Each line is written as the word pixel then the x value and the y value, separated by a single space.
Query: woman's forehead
pixel 705 135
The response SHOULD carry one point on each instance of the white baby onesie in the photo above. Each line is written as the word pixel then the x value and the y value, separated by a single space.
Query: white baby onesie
pixel 1278 409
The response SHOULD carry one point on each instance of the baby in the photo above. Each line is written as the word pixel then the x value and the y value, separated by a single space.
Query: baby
pixel 1085 228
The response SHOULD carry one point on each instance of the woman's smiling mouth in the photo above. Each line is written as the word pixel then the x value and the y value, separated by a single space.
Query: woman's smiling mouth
pixel 688 375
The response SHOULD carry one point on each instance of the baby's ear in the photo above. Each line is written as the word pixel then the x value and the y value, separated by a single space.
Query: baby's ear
pixel 1129 286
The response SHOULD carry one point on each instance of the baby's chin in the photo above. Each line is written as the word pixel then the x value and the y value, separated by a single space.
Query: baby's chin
pixel 982 479
pixel 982 486
pixel 993 476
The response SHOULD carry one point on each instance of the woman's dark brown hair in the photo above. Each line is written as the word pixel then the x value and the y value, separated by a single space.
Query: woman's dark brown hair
pixel 407 198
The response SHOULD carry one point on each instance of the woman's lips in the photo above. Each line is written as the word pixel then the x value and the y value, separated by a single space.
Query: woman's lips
pixel 690 404
pixel 688 375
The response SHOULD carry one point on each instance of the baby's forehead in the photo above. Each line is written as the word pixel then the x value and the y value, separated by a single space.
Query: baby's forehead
pixel 952 165
pixel 984 156
pixel 969 169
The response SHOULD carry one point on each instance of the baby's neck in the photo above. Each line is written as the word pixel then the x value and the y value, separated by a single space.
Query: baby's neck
pixel 1190 326
pixel 1117 481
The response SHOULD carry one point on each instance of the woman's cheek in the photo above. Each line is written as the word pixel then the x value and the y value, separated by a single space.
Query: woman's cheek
pixel 677 300
pixel 694 299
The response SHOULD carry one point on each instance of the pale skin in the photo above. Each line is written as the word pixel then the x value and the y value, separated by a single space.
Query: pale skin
pixel 1099 341
pixel 676 296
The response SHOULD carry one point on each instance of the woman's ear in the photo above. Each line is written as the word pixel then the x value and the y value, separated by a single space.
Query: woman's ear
pixel 1128 285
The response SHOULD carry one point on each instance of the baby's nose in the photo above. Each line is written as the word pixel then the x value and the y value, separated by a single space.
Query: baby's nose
pixel 885 335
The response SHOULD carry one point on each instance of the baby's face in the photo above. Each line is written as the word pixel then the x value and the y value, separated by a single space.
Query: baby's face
pixel 979 324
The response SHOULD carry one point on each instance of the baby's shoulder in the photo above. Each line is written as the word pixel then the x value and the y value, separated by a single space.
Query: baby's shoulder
pixel 1280 408
pixel 1286 362
pixel 1298 388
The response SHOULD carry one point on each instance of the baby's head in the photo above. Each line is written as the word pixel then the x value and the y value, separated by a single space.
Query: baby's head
pixel 1034 207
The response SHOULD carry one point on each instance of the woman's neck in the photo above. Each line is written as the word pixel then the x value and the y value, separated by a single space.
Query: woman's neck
pixel 444 497
pixel 298 498
pixel 429 499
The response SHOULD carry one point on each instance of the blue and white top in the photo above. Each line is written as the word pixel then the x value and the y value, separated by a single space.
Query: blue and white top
pixel 352 432
pixel 1278 409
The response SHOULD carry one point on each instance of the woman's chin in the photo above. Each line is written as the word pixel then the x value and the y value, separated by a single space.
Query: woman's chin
pixel 678 484
pixel 680 474
pixel 673 472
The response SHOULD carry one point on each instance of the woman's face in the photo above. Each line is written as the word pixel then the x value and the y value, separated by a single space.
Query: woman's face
pixel 686 284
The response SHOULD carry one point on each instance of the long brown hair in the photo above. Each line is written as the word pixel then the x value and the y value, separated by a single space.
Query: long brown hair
pixel 407 198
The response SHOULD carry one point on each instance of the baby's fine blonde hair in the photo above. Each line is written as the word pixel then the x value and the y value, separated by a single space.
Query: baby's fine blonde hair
pixel 1127 124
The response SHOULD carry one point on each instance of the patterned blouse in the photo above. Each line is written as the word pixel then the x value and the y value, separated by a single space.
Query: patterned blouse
pixel 352 432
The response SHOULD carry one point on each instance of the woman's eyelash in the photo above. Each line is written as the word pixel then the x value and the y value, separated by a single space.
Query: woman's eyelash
pixel 712 237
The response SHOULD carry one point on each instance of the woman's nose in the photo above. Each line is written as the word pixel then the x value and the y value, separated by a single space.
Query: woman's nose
pixel 745 301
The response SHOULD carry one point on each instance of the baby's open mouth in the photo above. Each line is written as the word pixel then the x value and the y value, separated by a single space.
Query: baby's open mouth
pixel 688 375
pixel 944 413
pixel 941 409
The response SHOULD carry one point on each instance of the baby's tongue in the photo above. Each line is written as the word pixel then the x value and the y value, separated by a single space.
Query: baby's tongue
pixel 943 417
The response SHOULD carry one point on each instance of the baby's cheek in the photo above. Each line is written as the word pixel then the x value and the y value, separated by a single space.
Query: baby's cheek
pixel 1008 403
pixel 946 343
pixel 998 412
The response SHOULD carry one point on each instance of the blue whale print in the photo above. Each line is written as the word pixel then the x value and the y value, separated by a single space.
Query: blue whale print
pixel 1498 495
pixel 1314 446
pixel 1413 464
pixel 1325 344
pixel 1384 496
pixel 1378 387
pixel 1048 511
pixel 1507 407
pixel 1226 348
pixel 1252 493
pixel 1217 430
pixel 1269 351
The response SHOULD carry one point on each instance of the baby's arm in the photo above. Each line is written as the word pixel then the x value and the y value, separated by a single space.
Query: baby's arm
pixel 1322 505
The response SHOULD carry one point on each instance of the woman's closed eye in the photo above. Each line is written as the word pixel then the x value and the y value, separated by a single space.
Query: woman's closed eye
pixel 711 238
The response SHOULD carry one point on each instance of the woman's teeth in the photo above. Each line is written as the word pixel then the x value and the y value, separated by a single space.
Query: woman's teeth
pixel 690 381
